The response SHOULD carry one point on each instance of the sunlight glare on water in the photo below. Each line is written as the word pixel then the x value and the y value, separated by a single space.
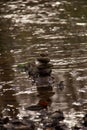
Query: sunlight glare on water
pixel 28 28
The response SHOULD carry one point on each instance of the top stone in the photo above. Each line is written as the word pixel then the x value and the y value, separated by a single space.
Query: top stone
pixel 43 58
pixel 45 54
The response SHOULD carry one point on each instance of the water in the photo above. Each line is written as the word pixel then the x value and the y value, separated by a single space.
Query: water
pixel 28 28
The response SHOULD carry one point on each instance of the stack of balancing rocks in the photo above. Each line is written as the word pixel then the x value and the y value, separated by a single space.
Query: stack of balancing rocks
pixel 44 69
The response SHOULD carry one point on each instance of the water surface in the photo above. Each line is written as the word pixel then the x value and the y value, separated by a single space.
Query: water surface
pixel 28 28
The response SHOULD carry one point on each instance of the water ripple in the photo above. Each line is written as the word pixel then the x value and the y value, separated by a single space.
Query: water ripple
pixel 58 27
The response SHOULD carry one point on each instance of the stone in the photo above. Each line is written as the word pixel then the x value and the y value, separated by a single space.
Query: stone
pixel 44 60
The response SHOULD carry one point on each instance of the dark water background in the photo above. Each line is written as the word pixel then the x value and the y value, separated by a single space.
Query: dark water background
pixel 28 28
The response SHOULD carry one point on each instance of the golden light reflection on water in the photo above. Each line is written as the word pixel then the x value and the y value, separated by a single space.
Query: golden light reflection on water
pixel 28 28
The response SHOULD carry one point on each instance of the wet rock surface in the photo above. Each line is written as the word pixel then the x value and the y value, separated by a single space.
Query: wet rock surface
pixel 44 121
pixel 41 74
